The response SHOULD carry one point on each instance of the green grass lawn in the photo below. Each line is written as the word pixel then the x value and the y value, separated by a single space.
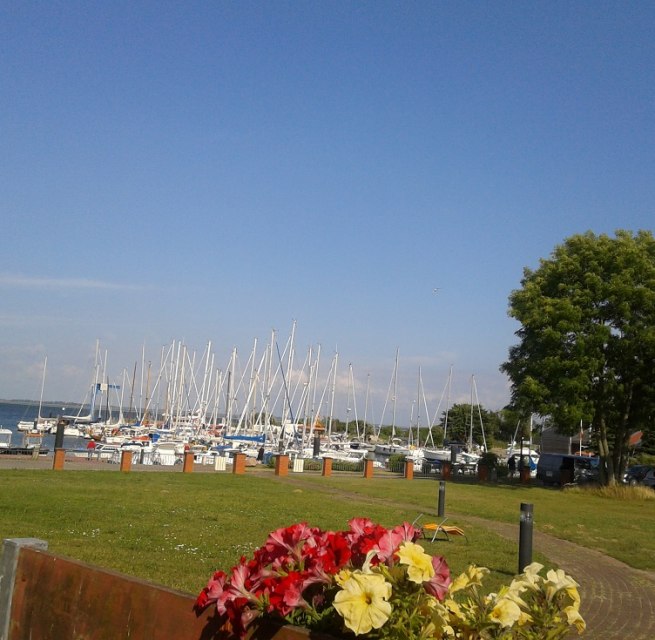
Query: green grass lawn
pixel 619 525
pixel 176 529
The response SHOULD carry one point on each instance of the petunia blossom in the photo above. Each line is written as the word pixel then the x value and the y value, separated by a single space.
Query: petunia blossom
pixel 505 612
pixel 363 602
pixel 419 563
pixel 438 584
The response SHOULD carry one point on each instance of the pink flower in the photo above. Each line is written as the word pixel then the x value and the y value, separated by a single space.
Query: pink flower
pixel 363 537
pixel 287 542
pixel 407 532
pixel 438 585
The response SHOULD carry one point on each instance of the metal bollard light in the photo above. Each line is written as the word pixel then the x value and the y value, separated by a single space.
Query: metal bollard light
pixel 442 499
pixel 59 435
pixel 525 536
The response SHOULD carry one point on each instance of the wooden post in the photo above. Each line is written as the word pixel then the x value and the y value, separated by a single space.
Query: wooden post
pixel 58 462
pixel 187 467
pixel 446 470
pixel 126 461
pixel 282 465
pixel 327 467
pixel 368 468
pixel 525 476
pixel 239 463
pixel 409 469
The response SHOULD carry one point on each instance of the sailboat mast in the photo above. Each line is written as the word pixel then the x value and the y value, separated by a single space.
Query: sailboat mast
pixel 395 396
pixel 477 402
pixel 45 364
pixel 470 439
pixel 131 407
pixel 418 411
pixel 334 386
pixel 368 388
pixel 445 424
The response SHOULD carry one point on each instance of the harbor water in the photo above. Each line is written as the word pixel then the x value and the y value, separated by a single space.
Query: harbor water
pixel 11 414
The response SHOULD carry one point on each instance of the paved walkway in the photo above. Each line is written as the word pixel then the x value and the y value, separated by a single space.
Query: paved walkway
pixel 618 602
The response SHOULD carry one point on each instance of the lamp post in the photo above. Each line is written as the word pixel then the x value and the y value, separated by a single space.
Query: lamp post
pixel 525 536
pixel 441 510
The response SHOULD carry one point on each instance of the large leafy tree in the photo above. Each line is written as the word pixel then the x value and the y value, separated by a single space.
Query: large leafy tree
pixel 586 350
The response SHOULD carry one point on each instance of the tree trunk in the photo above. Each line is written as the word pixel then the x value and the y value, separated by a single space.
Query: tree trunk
pixel 621 437
pixel 605 466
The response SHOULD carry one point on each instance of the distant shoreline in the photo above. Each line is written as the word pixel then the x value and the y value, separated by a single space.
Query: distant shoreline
pixel 49 403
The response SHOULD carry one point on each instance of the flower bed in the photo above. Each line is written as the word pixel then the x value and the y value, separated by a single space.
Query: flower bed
pixel 374 582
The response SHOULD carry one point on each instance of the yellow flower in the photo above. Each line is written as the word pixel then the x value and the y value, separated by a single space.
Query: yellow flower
pixel 530 577
pixel 557 580
pixel 440 622
pixel 573 617
pixel 505 612
pixel 363 602
pixel 367 567
pixel 459 583
pixel 419 563
pixel 343 575
pixel 471 577
pixel 453 609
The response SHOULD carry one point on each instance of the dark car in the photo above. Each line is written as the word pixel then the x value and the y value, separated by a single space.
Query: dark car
pixel 558 468
pixel 640 474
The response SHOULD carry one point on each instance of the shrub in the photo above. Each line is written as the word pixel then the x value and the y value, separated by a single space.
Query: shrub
pixel 489 459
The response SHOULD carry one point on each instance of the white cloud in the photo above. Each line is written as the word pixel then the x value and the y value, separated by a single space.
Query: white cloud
pixel 15 281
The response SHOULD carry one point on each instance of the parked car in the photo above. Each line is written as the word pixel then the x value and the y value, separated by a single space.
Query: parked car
pixel 559 468
pixel 640 474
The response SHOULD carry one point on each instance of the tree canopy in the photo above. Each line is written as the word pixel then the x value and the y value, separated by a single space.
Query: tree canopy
pixel 586 351
pixel 466 422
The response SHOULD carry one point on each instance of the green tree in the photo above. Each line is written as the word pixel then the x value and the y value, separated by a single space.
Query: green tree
pixel 461 416
pixel 587 340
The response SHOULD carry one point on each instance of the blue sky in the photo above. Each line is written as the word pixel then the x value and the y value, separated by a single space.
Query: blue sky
pixel 213 170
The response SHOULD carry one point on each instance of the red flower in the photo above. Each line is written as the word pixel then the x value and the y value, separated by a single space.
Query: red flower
pixel 362 537
pixel 286 542
pixel 333 552
pixel 240 615
pixel 294 572
pixel 285 594
pixel 212 592
pixel 244 583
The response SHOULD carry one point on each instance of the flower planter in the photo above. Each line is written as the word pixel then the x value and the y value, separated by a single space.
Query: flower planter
pixel 271 631
pixel 359 595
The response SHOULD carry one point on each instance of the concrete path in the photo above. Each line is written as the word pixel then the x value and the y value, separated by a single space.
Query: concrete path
pixel 618 602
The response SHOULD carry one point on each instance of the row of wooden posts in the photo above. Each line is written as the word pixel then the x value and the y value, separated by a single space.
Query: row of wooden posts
pixel 282 466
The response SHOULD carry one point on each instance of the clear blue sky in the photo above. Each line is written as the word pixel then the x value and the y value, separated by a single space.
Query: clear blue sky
pixel 212 170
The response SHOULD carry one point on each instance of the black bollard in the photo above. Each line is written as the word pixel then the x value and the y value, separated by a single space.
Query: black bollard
pixel 442 499
pixel 59 435
pixel 525 536
pixel 316 450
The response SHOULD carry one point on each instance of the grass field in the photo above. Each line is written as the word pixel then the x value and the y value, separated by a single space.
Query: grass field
pixel 176 529
pixel 616 522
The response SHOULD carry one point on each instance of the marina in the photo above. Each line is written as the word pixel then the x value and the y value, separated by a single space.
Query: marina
pixel 166 447
pixel 273 403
